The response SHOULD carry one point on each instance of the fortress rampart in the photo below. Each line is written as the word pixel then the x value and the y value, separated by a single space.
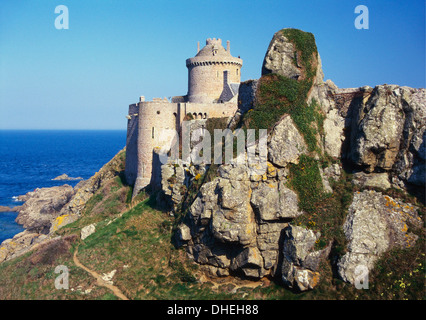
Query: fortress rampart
pixel 213 81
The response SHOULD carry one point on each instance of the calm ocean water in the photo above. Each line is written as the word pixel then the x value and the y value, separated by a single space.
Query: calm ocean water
pixel 30 159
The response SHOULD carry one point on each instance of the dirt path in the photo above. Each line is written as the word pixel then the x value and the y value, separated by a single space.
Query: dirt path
pixel 98 278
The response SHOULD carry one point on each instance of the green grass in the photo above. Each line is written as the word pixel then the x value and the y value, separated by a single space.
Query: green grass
pixel 305 45
pixel 280 95
pixel 306 180
pixel 323 212
pixel 138 245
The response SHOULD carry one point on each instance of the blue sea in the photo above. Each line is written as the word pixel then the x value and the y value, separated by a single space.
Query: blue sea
pixel 31 159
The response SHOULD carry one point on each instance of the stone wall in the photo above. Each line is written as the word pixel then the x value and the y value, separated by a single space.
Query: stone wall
pixel 152 126
pixel 214 76
pixel 131 143
pixel 206 80
pixel 246 95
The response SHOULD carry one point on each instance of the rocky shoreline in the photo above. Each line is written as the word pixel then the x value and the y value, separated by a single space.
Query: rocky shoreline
pixel 9 209
pixel 45 210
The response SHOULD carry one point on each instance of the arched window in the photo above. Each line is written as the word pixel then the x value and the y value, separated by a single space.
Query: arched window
pixel 200 116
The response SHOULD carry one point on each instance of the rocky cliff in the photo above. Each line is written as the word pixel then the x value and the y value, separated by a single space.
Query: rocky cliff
pixel 341 166
pixel 343 189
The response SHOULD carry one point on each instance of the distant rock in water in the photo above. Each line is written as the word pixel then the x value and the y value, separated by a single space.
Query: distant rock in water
pixel 65 177
pixel 8 209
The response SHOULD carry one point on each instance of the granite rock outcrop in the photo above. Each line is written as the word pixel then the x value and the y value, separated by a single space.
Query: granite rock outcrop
pixel 242 223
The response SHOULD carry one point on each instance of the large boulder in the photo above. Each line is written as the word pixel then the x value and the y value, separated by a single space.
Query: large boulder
pixel 300 262
pixel 388 132
pixel 274 201
pixel 65 177
pixel 87 231
pixel 279 57
pixel 250 262
pixel 375 224
pixel 221 220
pixel 233 220
pixel 372 180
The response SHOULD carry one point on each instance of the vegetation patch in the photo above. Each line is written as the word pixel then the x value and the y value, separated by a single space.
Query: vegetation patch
pixel 323 212
pixel 278 95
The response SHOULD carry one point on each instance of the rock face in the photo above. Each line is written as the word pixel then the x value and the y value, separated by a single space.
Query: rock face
pixel 274 201
pixel 19 244
pixel 223 227
pixel 379 129
pixel 241 222
pixel 300 263
pixel 235 223
pixel 334 125
pixel 85 189
pixel 285 144
pixel 374 180
pixel 388 132
pixel 247 95
pixel 279 58
pixel 226 203
pixel 375 223
pixel 377 145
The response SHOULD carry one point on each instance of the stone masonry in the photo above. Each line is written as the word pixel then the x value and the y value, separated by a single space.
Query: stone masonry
pixel 213 82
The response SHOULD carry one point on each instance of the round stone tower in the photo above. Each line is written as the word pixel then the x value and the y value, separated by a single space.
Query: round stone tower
pixel 211 72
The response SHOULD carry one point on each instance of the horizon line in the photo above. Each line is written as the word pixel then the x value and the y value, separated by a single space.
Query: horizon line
pixel 38 129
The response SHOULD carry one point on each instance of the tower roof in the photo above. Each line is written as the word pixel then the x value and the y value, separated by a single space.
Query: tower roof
pixel 213 48
pixel 213 52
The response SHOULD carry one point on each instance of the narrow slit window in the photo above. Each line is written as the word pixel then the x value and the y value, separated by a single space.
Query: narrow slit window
pixel 152 132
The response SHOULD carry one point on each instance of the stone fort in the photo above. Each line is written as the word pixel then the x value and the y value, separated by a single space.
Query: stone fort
pixel 213 83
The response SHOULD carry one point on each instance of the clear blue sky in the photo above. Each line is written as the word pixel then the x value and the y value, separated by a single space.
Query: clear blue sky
pixel 115 51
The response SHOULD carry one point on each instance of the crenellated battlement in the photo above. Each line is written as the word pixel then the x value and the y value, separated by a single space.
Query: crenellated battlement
pixel 194 63
pixel 213 41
